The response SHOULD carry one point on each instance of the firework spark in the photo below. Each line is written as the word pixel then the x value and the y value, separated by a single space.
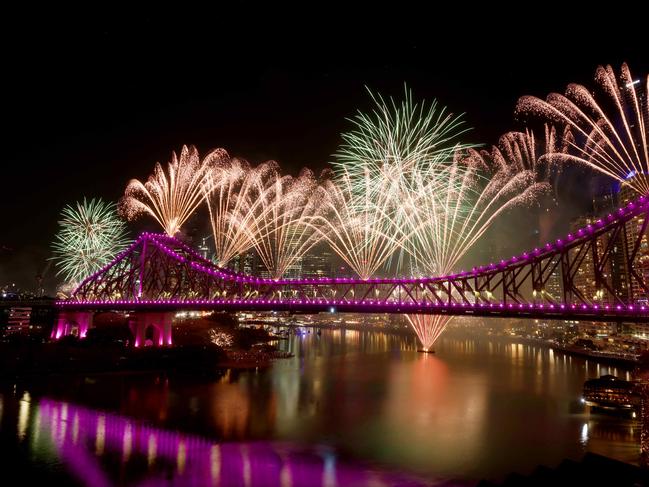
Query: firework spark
pixel 397 138
pixel 171 198
pixel 261 209
pixel 610 127
pixel 228 197
pixel 90 235
pixel 406 187
pixel 358 227
pixel 221 338
pixel 428 328
pixel 443 225
pixel 281 232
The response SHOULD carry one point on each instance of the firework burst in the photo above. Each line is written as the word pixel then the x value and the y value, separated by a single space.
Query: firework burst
pixel 358 227
pixel 281 233
pixel 609 127
pixel 443 225
pixel 90 235
pixel 261 209
pixel 408 188
pixel 171 198
pixel 228 195
pixel 399 140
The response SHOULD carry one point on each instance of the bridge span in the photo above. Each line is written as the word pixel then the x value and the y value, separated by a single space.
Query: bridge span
pixel 158 274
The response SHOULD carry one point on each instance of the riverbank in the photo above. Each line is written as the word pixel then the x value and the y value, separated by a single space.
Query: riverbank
pixel 251 359
pixel 626 360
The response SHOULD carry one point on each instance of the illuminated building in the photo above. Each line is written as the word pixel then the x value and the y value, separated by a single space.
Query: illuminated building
pixel 203 249
pixel 554 287
pixel 318 262
pixel 641 260
pixel 18 322
pixel 584 279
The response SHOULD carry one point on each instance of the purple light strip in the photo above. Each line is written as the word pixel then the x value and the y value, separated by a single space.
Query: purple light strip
pixel 364 304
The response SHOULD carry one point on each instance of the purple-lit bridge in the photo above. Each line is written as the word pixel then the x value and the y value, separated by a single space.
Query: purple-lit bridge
pixel 158 275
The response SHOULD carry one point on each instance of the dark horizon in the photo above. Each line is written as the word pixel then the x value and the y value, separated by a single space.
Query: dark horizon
pixel 93 105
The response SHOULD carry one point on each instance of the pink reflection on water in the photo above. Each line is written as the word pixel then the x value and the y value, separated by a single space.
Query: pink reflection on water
pixel 82 437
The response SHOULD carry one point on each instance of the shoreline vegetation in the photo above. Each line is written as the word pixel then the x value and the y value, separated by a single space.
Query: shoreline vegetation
pixel 206 347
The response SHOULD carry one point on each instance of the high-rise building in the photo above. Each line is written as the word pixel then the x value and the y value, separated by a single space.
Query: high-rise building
pixel 584 280
pixel 607 201
pixel 203 249
pixel 554 286
pixel 318 262
pixel 635 232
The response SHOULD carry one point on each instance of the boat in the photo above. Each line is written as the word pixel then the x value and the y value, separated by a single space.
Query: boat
pixel 609 393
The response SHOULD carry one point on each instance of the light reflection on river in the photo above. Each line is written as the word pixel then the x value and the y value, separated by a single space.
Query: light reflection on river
pixel 350 407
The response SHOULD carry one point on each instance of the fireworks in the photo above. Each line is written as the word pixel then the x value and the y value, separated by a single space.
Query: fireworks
pixel 396 139
pixel 359 227
pixel 172 198
pixel 609 127
pixel 378 163
pixel 261 209
pixel 228 195
pixel 443 225
pixel 428 328
pixel 221 338
pixel 406 187
pixel 522 151
pixel 280 231
pixel 90 235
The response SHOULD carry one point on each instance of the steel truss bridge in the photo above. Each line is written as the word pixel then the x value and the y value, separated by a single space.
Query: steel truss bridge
pixel 158 273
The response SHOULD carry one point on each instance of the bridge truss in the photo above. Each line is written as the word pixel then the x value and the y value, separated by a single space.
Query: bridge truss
pixel 158 272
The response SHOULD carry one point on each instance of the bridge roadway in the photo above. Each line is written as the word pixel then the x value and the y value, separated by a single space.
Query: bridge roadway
pixel 618 313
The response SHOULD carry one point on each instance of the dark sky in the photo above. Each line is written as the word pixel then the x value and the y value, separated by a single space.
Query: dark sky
pixel 90 101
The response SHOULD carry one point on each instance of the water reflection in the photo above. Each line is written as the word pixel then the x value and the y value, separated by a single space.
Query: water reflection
pixel 366 396
pixel 103 449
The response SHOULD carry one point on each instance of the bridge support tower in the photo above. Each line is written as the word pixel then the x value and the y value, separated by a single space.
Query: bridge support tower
pixel 151 329
pixel 72 323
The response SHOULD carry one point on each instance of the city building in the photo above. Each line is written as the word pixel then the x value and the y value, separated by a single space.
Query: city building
pixel 605 202
pixel 244 263
pixel 318 262
pixel 18 321
pixel 584 280
pixel 635 229
pixel 554 286
pixel 203 249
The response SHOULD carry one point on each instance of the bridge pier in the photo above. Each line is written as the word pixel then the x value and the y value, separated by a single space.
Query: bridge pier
pixel 153 327
pixel 72 323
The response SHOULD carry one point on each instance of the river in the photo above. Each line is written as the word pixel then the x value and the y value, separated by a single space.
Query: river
pixel 351 407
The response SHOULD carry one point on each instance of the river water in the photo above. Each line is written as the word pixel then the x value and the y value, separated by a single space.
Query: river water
pixel 351 408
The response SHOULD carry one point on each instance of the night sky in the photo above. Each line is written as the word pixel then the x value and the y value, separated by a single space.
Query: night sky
pixel 89 103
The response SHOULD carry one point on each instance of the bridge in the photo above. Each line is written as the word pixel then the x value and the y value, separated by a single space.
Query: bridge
pixel 158 274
